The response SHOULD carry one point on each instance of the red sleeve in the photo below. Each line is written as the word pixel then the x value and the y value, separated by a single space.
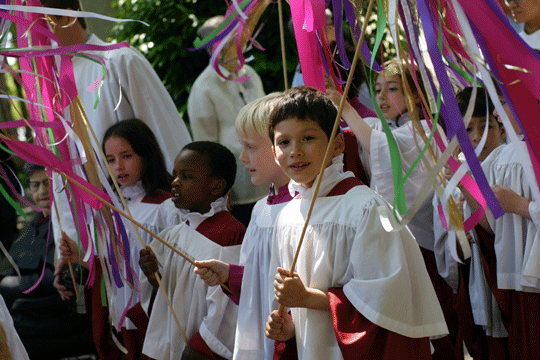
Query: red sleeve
pixel 223 229
pixel 236 274
pixel 198 343
pixel 351 158
pixel 359 338
pixel 285 350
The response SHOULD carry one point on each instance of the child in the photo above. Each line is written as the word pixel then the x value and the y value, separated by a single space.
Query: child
pixel 366 285
pixel 204 172
pixel 138 166
pixel 478 314
pixel 375 154
pixel 248 281
pixel 527 12
pixel 506 245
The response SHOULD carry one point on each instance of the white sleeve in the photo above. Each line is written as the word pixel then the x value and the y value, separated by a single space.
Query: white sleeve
pixel 151 102
pixel 13 342
pixel 202 115
pixel 447 266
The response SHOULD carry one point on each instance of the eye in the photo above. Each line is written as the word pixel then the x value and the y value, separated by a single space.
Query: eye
pixel 377 91
pixel 283 142
pixel 110 160
pixel 127 156
pixel 469 129
pixel 308 137
pixel 394 89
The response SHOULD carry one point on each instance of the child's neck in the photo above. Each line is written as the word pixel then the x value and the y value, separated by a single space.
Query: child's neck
pixel 280 182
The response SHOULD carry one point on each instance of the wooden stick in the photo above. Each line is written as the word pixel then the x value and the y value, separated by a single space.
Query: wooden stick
pixel 88 126
pixel 331 142
pixel 171 307
pixel 282 38
pixel 75 285
pixel 135 222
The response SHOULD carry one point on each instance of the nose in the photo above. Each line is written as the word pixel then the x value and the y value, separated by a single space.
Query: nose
pixel 476 135
pixel 243 156
pixel 383 93
pixel 44 187
pixel 296 149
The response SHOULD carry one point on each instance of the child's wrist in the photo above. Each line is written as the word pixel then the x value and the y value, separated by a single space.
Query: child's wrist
pixel 316 299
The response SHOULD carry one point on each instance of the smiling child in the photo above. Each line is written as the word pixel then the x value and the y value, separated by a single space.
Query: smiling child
pixel 352 276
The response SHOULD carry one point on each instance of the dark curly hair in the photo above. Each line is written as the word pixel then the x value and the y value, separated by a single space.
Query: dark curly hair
pixel 220 159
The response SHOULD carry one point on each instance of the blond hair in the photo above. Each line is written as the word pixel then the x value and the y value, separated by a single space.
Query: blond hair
pixel 254 116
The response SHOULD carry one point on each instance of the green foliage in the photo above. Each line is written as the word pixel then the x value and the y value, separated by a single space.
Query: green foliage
pixel 172 30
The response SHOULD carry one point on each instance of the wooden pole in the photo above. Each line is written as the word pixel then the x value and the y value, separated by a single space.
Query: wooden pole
pixel 331 141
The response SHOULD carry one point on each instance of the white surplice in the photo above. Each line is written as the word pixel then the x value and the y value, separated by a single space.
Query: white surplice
pixel 517 241
pixel 382 274
pixel 378 160
pixel 149 216
pixel 486 311
pixel 13 342
pixel 255 305
pixel 199 308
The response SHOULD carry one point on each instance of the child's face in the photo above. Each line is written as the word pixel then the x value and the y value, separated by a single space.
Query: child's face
pixel 508 112
pixel 193 182
pixel 494 136
pixel 299 148
pixel 39 188
pixel 524 11
pixel 258 159
pixel 126 166
pixel 390 96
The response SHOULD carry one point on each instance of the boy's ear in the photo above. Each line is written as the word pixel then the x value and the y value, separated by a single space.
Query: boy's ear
pixel 274 152
pixel 503 131
pixel 339 145
pixel 217 186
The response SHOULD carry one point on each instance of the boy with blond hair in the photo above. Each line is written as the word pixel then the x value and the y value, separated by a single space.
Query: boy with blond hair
pixel 248 281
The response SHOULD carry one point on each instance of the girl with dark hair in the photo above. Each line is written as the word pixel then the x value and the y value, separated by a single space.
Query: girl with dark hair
pixel 137 164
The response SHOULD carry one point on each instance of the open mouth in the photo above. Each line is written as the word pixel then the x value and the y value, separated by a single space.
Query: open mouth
pixel 122 177
pixel 299 166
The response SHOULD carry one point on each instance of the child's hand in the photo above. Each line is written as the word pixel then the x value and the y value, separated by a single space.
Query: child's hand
pixel 212 272
pixel 149 265
pixel 348 112
pixel 279 328
pixel 69 251
pixel 57 283
pixel 510 201
pixel 448 172
pixel 290 291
